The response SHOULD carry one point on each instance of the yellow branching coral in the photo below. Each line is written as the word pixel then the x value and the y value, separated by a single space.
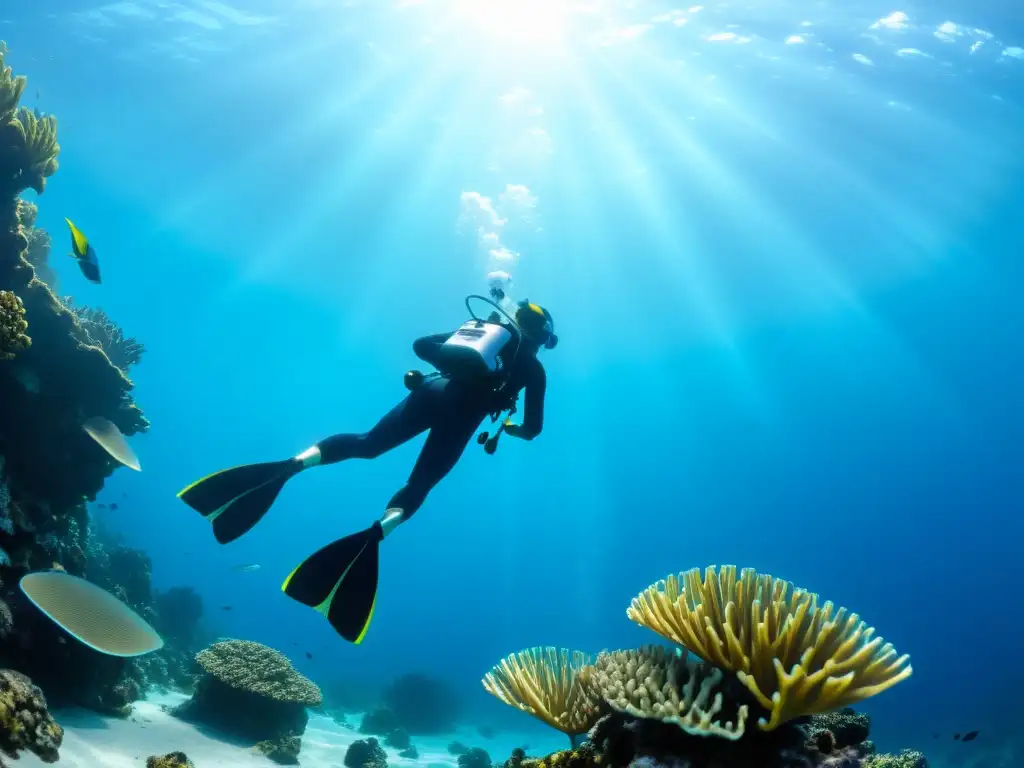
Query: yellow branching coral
pixel 11 87
pixel 12 326
pixel 30 137
pixel 653 682
pixel 546 683
pixel 794 656
pixel 39 136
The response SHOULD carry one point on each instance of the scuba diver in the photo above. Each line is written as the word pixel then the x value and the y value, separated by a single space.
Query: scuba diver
pixel 482 367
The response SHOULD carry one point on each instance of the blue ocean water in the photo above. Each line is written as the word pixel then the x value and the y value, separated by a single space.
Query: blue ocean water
pixel 780 242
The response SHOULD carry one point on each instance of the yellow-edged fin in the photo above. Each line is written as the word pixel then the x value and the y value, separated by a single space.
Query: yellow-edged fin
pixel 324 607
pixel 79 242
pixel 369 618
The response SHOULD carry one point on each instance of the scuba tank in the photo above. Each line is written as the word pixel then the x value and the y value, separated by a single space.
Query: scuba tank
pixel 475 348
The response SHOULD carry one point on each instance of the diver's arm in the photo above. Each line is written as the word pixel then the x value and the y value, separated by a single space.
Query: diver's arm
pixel 533 408
pixel 426 347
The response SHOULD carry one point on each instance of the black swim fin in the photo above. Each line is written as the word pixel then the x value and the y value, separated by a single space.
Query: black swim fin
pixel 340 581
pixel 235 499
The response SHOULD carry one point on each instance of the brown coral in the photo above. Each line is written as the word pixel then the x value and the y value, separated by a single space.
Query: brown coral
pixel 11 87
pixel 123 351
pixel 25 722
pixel 654 682
pixel 170 760
pixel 546 683
pixel 792 654
pixel 12 326
pixel 256 668
pixel 39 244
pixel 28 140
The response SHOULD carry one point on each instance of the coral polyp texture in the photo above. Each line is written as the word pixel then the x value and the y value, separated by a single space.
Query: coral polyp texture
pixel 655 682
pixel 12 326
pixel 795 656
pixel 123 351
pixel 11 87
pixel 547 683
pixel 253 692
pixel 25 722
pixel 259 669
pixel 28 140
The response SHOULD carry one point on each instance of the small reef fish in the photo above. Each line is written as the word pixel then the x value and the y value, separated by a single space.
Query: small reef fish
pixel 112 441
pixel 225 607
pixel 969 736
pixel 309 655
pixel 246 567
pixel 83 252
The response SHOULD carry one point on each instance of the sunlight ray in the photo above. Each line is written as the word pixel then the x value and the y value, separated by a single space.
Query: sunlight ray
pixel 420 185
pixel 759 214
pixel 349 172
pixel 696 284
pixel 320 117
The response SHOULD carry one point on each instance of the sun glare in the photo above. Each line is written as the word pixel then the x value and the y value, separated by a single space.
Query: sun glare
pixel 538 23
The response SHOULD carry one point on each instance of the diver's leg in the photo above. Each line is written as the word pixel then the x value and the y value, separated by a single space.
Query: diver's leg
pixel 441 452
pixel 402 423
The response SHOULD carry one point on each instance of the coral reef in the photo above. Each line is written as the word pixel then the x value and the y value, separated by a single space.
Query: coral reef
pixel 410 752
pixel 422 705
pixel 25 722
pixel 792 654
pixel 51 467
pixel 366 753
pixel 123 351
pixel 546 683
pixel 70 380
pixel 847 727
pixel 171 760
pixel 73 674
pixel 28 140
pixel 765 650
pixel 284 749
pixel 908 758
pixel 12 326
pixel 252 692
pixel 39 244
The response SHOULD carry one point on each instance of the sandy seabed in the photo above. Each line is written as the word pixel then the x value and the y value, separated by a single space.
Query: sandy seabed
pixel 93 741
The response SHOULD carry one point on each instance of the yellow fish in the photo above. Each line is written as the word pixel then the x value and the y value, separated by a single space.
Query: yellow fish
pixel 84 253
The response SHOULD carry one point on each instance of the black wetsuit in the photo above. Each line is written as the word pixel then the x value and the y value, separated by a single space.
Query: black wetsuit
pixel 452 410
